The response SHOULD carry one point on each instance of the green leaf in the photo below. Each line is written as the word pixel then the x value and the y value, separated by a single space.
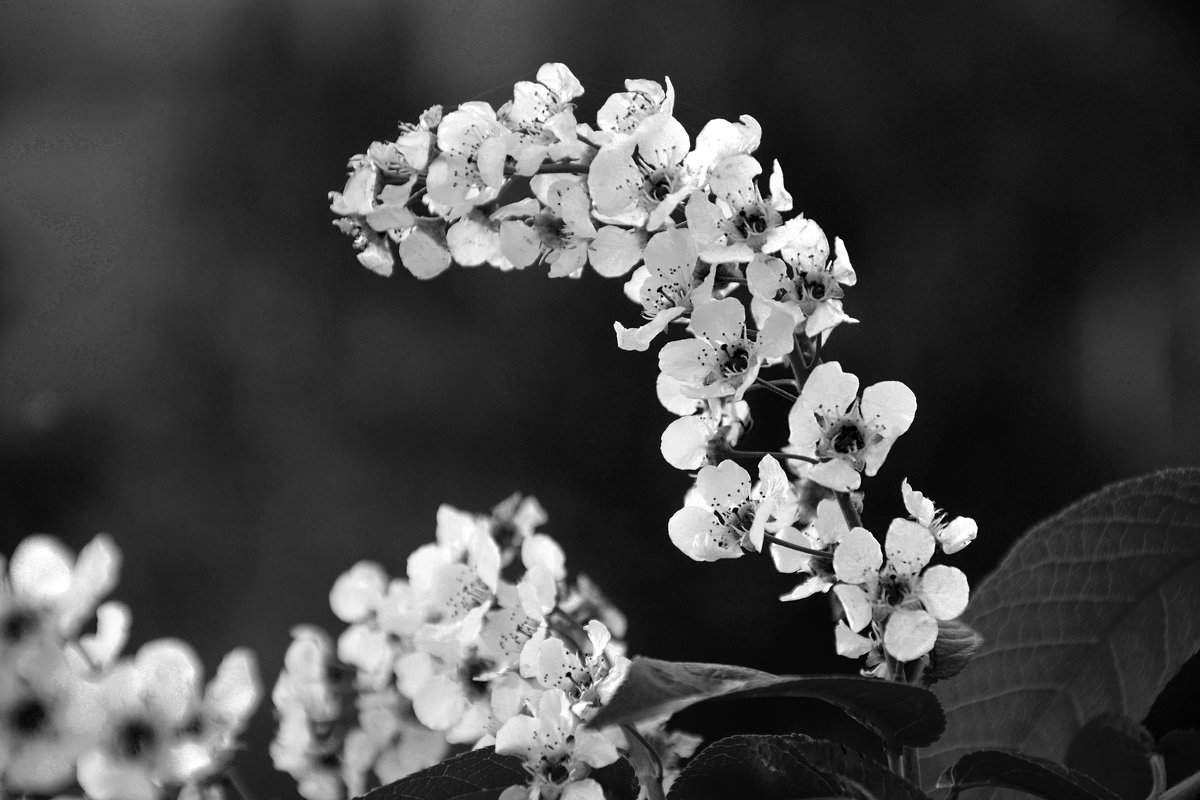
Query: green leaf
pixel 761 767
pixel 861 771
pixel 1008 769
pixel 1116 752
pixel 1092 611
pixel 901 714
pixel 957 643
pixel 475 775
pixel 618 780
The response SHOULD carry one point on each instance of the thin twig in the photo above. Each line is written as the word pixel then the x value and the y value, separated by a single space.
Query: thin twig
pixel 761 453
pixel 783 543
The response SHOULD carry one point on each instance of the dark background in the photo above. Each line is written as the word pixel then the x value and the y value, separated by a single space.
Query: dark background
pixel 192 360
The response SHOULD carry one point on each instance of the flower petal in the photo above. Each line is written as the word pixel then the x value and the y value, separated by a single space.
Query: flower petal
pixel 909 546
pixel 944 591
pixel 909 634
pixel 857 557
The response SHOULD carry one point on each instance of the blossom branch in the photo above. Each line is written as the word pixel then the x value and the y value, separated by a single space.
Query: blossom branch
pixel 801 548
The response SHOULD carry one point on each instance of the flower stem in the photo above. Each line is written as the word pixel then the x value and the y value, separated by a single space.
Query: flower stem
pixel 911 766
pixel 761 453
pixel 772 387
pixel 782 543
pixel 569 167
pixel 806 354
pixel 646 763
pixel 1186 789
pixel 848 510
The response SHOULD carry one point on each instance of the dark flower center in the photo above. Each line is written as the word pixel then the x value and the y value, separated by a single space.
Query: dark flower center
pixel 847 439
pixel 737 358
pixel 17 625
pixel 136 738
pixel 29 717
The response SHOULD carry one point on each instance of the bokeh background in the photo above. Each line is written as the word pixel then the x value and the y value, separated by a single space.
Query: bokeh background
pixel 192 360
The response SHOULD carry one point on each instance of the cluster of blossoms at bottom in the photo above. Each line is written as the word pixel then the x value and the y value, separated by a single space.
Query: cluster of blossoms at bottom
pixel 484 642
pixel 76 717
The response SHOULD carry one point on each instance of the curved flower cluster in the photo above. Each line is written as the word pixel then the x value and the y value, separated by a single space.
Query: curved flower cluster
pixel 755 291
pixel 75 715
pixel 483 642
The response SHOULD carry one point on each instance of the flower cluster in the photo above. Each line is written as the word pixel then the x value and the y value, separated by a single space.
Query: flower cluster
pixel 76 715
pixel 483 642
pixel 755 290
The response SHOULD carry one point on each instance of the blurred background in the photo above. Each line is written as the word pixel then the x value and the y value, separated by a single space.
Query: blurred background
pixel 192 360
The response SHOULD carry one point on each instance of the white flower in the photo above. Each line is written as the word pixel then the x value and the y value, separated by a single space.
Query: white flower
pixel 691 442
pixel 806 281
pixel 723 517
pixel 542 119
pixel 307 698
pixel 668 286
pixel 49 592
pixel 826 530
pixel 829 422
pixel 639 179
pixel 588 681
pixel 157 728
pixel 556 749
pixel 952 535
pixel 622 111
pixel 724 358
pixel 734 226
pixel 44 721
pixel 903 600
pixel 470 168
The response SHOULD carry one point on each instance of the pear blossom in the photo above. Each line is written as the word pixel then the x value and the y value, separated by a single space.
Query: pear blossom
pixel 640 179
pixel 584 601
pixel 724 358
pixel 410 154
pixel 557 751
pixel 388 743
pixel 734 225
pixel 313 719
pixel 824 532
pixel 952 535
pixel 622 111
pixel 690 442
pixel 352 205
pixel 848 435
pixel 44 721
pixel 588 681
pixel 903 599
pixel 560 234
pixel 469 170
pixel 157 729
pixel 670 285
pixel 542 120
pixel 722 516
pixel 719 145
pixel 805 280
pixel 48 592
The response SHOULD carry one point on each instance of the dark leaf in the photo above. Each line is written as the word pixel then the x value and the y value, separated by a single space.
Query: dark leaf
pixel 902 715
pixel 618 780
pixel 1008 769
pixel 476 775
pixel 1092 611
pixel 877 779
pixel 759 767
pixel 1181 751
pixel 1116 751
pixel 957 643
